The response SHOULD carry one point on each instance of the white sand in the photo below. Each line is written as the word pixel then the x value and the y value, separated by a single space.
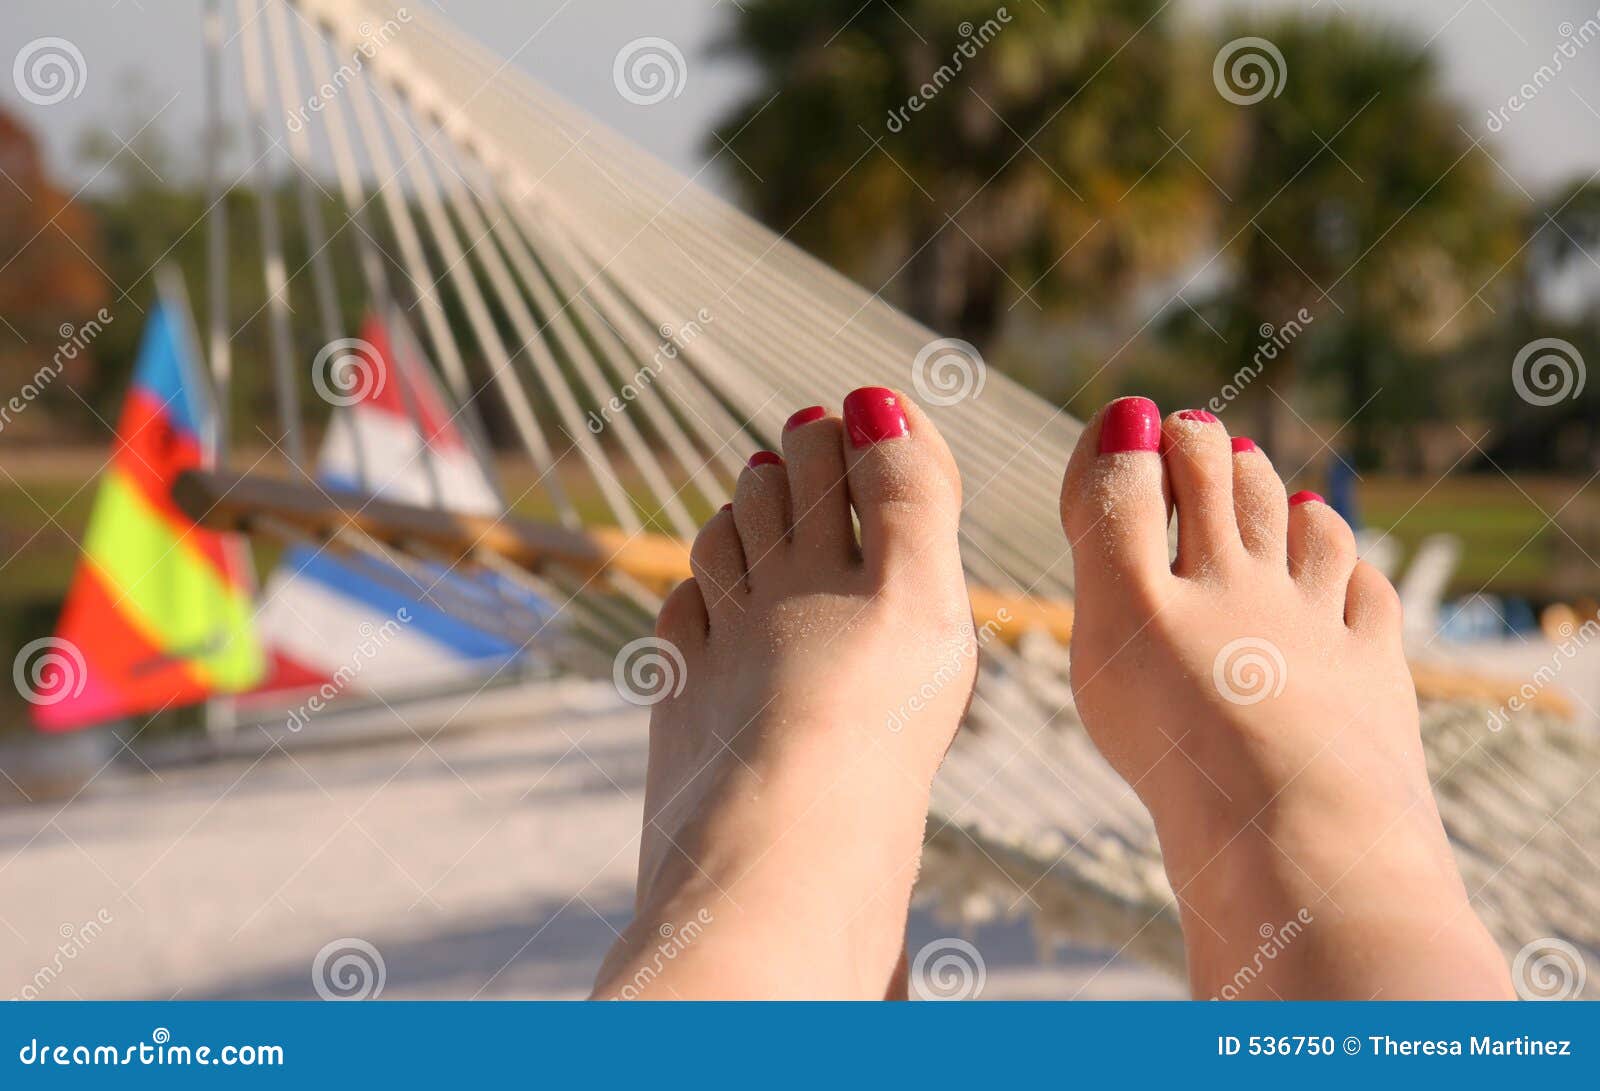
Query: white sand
pixel 491 864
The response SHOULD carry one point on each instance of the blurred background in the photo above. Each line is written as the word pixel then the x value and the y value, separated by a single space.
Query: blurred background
pixel 1366 234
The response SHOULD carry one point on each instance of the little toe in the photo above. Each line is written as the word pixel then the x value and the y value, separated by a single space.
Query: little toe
pixel 1322 548
pixel 717 560
pixel 761 514
pixel 1371 605
pixel 1199 464
pixel 819 499
pixel 1113 499
pixel 683 620
pixel 1260 505
pixel 902 480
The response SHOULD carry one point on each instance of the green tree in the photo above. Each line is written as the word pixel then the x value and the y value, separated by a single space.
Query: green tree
pixel 1357 193
pixel 969 157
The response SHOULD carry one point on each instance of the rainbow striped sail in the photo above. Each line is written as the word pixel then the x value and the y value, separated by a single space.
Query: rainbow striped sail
pixel 159 614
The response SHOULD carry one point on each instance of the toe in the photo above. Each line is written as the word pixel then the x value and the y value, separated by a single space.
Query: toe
pixel 683 619
pixel 717 560
pixel 902 479
pixel 1322 550
pixel 1113 501
pixel 1260 505
pixel 761 514
pixel 819 501
pixel 1199 465
pixel 1371 604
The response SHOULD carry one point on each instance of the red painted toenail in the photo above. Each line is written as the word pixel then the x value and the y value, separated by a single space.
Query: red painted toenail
pixel 725 507
pixel 1241 444
pixel 1305 496
pixel 1130 424
pixel 872 415
pixel 1200 415
pixel 805 416
pixel 765 458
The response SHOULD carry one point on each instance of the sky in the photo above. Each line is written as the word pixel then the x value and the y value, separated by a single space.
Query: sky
pixel 144 56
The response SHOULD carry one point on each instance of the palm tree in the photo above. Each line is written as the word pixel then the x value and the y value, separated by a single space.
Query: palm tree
pixel 968 157
pixel 1357 193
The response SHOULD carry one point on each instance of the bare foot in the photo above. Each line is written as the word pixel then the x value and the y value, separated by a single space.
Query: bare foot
pixel 789 779
pixel 1255 695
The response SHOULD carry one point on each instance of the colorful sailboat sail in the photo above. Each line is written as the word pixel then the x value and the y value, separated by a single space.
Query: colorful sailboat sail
pixel 345 624
pixel 159 612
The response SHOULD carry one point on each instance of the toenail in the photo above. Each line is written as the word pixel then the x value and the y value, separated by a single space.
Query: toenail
pixel 872 415
pixel 1130 424
pixel 1306 496
pixel 1200 415
pixel 725 507
pixel 1241 444
pixel 805 416
pixel 765 458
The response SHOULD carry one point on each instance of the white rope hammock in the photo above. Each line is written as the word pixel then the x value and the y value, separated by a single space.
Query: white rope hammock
pixel 574 259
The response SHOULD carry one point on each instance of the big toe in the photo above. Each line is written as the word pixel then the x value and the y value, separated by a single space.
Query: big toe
pixel 902 480
pixel 1113 500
